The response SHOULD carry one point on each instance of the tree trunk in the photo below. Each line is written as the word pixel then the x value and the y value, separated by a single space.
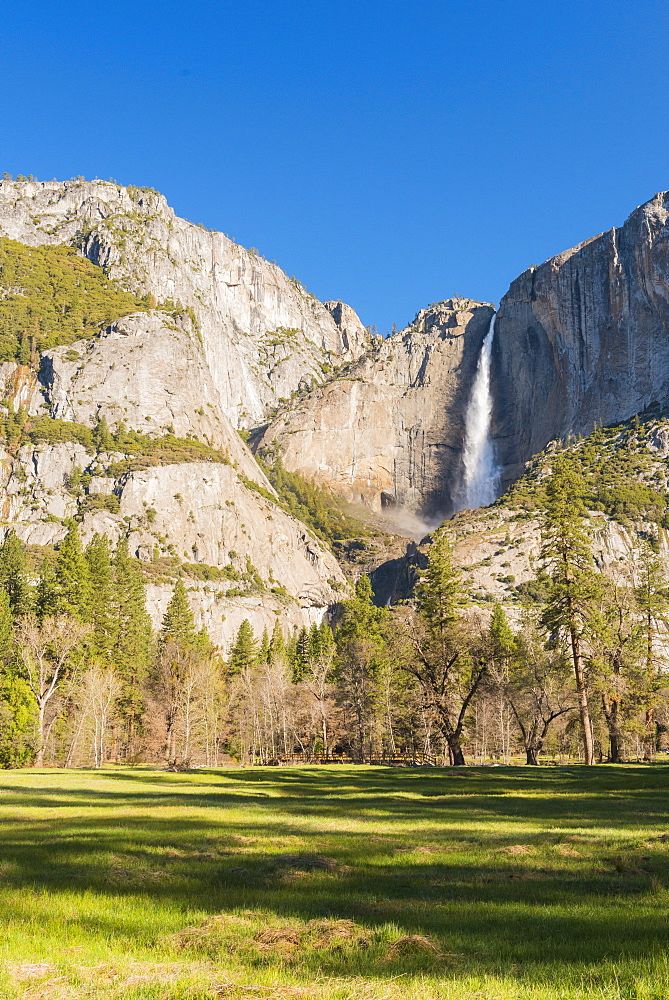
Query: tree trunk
pixel 532 756
pixel 584 710
pixel 39 756
pixel 614 748
pixel 650 740
pixel 610 706
pixel 455 751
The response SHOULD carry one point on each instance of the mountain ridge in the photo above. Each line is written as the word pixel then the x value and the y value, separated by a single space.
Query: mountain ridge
pixel 221 340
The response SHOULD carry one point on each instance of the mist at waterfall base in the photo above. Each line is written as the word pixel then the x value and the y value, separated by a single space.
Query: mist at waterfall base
pixel 479 486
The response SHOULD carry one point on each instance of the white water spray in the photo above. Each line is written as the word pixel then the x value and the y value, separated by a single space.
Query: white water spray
pixel 480 481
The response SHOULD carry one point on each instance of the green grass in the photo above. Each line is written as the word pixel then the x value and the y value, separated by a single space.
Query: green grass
pixel 336 882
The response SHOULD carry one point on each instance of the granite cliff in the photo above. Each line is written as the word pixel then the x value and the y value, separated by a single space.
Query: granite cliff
pixel 387 432
pixel 263 335
pixel 584 338
pixel 224 340
pixel 232 336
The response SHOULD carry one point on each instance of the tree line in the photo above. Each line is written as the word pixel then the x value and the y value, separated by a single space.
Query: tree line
pixel 85 680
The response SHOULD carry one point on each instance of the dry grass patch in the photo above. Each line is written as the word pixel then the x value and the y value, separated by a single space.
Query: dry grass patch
pixel 228 933
pixel 30 970
pixel 412 946
pixel 568 852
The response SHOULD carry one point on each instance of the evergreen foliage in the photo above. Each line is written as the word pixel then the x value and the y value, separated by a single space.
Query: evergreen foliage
pixel 14 575
pixel 139 451
pixel 102 591
pixel 243 653
pixel 73 590
pixel 574 584
pixel 133 634
pixel 446 663
pixel 179 622
pixel 439 591
pixel 311 504
pixel 618 473
pixel 53 296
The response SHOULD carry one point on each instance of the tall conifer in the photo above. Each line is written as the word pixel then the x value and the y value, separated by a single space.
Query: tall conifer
pixel 14 575
pixel 444 665
pixel 17 709
pixel 244 651
pixel 133 638
pixel 574 585
pixel 73 583
pixel 179 622
pixel 46 596
pixel 101 615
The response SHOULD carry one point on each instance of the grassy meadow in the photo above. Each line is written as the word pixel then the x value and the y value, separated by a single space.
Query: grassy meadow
pixel 335 882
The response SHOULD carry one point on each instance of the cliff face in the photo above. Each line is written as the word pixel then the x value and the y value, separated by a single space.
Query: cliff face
pixel 229 338
pixel 584 337
pixel 388 431
pixel 581 339
pixel 263 335
pixel 234 335
pixel 256 560
pixel 146 371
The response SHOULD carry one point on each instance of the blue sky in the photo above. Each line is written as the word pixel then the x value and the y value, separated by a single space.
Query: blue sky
pixel 388 153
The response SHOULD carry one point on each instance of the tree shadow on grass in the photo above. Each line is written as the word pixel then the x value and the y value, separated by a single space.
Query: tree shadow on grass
pixel 222 846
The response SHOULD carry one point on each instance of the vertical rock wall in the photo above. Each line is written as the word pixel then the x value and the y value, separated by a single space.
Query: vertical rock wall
pixel 584 337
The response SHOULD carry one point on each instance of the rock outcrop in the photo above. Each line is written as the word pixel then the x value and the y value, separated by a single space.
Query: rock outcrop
pixel 387 432
pixel 263 335
pixel 584 338
pixel 148 372
pixel 198 513
pixel 228 340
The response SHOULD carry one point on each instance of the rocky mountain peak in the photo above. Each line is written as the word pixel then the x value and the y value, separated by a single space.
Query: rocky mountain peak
pixel 263 335
pixel 584 337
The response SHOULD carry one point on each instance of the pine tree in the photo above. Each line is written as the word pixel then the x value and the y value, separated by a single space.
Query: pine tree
pixel 14 575
pixel 443 664
pixel 17 711
pixel 6 626
pixel 72 576
pixel 133 639
pixel 179 622
pixel 102 435
pixel 46 596
pixel 300 657
pixel 574 585
pixel 439 591
pixel 502 639
pixel 277 644
pixel 652 599
pixel 244 652
pixel 361 654
pixel 101 615
pixel 264 652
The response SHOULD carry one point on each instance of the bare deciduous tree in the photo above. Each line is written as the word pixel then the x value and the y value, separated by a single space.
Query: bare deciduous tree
pixel 45 651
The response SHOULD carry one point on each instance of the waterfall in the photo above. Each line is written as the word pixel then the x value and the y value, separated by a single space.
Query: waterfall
pixel 480 480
